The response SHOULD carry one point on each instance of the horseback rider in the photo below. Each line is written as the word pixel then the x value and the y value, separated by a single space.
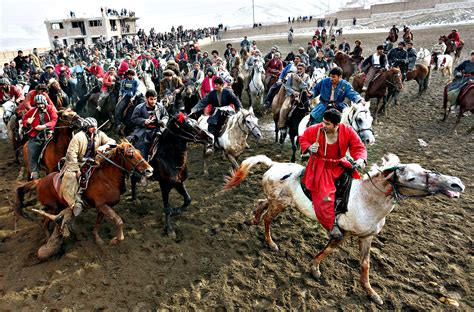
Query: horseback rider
pixel 9 92
pixel 128 92
pixel 329 143
pixel 398 57
pixel 29 101
pixel 150 119
pixel 108 84
pixel 407 34
pixel 95 69
pixel 48 74
pixel 320 62
pixel 208 83
pixel 304 56
pixel 372 65
pixel 255 57
pixel 273 67
pixel 411 55
pixel 394 30
pixel 438 49
pixel 332 90
pixel 344 46
pixel 196 76
pixel 220 97
pixel 40 122
pixel 356 54
pixel 297 84
pixel 454 38
pixel 172 84
pixel 83 147
pixel 463 73
pixel 290 68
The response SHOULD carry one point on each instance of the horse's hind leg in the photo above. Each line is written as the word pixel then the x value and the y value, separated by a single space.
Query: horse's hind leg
pixel 330 246
pixel 233 161
pixel 274 209
pixel 115 218
pixel 262 207
pixel 98 240
pixel 364 248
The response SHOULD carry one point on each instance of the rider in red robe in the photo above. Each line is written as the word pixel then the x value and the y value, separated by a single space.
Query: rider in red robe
pixel 328 162
pixel 454 36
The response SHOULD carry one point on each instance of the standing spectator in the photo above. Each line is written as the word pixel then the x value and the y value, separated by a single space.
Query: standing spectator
pixel 344 46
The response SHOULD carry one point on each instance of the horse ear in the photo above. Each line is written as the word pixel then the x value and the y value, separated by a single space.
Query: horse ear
pixel 367 104
pixel 251 109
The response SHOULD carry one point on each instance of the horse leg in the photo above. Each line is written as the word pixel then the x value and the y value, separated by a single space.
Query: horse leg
pixel 273 210
pixel 207 155
pixel 115 218
pixel 262 207
pixel 165 193
pixel 95 232
pixel 330 246
pixel 133 183
pixel 376 112
pixel 364 248
pixel 45 226
pixel 276 131
pixel 447 109
pixel 293 149
pixel 181 189
pixel 233 160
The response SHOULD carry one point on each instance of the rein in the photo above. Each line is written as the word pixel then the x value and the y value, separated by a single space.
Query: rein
pixel 189 136
pixel 132 172
pixel 351 119
pixel 241 126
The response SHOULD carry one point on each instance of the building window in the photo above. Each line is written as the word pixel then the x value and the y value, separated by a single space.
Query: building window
pixel 56 26
pixel 75 25
pixel 113 25
pixel 95 23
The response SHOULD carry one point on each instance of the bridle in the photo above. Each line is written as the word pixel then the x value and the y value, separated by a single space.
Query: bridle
pixel 395 185
pixel 242 125
pixel 392 83
pixel 129 150
pixel 423 54
pixel 187 136
pixel 351 119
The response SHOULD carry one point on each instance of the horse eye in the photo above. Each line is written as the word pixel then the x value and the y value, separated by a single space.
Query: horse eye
pixel 359 120
pixel 411 180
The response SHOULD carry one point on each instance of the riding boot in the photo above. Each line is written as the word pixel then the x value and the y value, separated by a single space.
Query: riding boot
pixel 336 233
pixel 79 204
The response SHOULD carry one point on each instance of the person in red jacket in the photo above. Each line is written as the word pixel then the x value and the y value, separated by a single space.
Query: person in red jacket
pixel 9 92
pixel 95 69
pixel 328 143
pixel 29 101
pixel 40 120
pixel 454 37
pixel 61 66
pixel 108 83
pixel 207 84
pixel 124 66
pixel 182 55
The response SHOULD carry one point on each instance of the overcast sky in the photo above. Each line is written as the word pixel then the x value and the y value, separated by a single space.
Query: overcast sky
pixel 22 20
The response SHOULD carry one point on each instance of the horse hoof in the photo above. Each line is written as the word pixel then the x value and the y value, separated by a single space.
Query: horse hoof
pixel 376 298
pixel 99 241
pixel 315 272
pixel 137 203
pixel 114 241
pixel 171 234
pixel 274 247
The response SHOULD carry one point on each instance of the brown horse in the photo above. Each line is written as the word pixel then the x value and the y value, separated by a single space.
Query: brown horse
pixel 68 121
pixel 451 47
pixel 238 85
pixel 345 62
pixel 421 74
pixel 465 102
pixel 103 192
pixel 378 87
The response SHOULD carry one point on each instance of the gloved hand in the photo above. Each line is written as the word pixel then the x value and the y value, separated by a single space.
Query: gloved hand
pixel 313 148
pixel 360 163
pixel 102 148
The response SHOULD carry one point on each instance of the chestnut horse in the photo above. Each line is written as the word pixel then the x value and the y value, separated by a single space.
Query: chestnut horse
pixel 465 102
pixel 105 186
pixel 68 121
pixel 451 47
pixel 378 87
pixel 169 158
pixel 421 74
pixel 345 62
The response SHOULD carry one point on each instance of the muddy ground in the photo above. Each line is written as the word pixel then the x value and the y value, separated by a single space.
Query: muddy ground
pixel 219 263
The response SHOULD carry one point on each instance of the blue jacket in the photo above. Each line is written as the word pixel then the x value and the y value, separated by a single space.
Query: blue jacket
pixel 285 71
pixel 128 87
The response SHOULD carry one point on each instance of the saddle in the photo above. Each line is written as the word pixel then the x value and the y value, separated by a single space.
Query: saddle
pixel 41 156
pixel 217 122
pixel 87 170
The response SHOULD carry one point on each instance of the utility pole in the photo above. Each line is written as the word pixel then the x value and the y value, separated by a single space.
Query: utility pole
pixel 253 11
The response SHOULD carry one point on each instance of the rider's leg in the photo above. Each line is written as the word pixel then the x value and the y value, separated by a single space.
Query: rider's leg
pixel 284 110
pixel 368 77
pixel 119 110
pixel 101 101
pixel 34 150
pixel 271 94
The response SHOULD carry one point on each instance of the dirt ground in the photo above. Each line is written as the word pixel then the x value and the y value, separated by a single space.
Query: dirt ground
pixel 219 263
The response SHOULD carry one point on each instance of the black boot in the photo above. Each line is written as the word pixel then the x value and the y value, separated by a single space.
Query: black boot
pixel 336 232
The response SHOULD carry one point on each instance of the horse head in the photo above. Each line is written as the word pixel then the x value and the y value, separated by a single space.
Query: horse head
pixel 360 120
pixel 394 77
pixel 68 117
pixel 127 157
pixel 189 89
pixel 248 123
pixel 412 180
pixel 226 77
pixel 188 129
pixel 318 75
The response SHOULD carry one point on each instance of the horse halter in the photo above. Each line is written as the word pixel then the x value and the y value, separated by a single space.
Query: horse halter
pixel 187 136
pixel 388 80
pixel 353 118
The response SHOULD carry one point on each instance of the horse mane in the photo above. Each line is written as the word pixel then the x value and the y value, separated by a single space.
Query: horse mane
pixel 388 161
pixel 124 143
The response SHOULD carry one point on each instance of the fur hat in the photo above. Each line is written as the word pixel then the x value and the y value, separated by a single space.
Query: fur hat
pixel 168 72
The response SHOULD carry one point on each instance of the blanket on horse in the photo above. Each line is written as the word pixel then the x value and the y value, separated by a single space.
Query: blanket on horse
pixel 459 88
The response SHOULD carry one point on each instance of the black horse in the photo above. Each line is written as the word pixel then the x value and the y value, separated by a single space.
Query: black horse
pixel 169 159
pixel 190 96
pixel 297 113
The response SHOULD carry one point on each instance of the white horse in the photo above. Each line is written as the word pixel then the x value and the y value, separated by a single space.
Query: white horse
pixel 317 76
pixel 423 57
pixel 227 77
pixel 256 85
pixel 370 201
pixel 233 140
pixel 357 116
pixel 147 81
pixel 445 65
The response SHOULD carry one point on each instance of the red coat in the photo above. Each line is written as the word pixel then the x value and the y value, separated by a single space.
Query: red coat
pixel 455 37
pixel 29 101
pixel 58 69
pixel 50 118
pixel 123 68
pixel 96 71
pixel 274 65
pixel 14 94
pixel 108 82
pixel 206 86
pixel 181 56
pixel 347 139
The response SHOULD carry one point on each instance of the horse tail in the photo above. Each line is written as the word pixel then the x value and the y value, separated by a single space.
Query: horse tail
pixel 426 81
pixel 20 197
pixel 241 174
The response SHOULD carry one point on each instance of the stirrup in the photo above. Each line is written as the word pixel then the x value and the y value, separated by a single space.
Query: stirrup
pixel 336 233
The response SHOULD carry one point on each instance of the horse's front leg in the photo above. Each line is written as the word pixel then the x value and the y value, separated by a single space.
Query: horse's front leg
pixel 98 240
pixel 364 248
pixel 233 161
pixel 187 199
pixel 165 193
pixel 293 149
pixel 330 246
pixel 207 155
pixel 115 218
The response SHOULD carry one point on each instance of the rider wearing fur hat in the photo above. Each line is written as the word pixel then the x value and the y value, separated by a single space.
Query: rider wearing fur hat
pixel 48 74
